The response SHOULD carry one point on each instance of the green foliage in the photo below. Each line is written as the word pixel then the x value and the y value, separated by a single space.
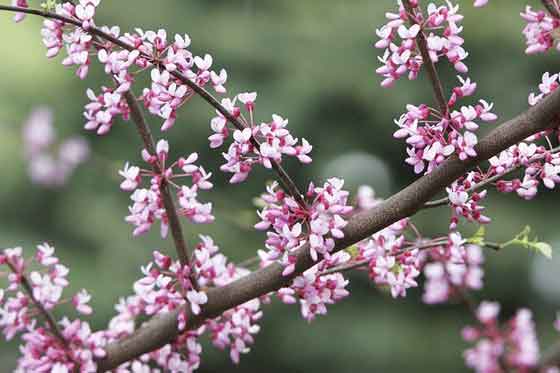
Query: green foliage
pixel 523 239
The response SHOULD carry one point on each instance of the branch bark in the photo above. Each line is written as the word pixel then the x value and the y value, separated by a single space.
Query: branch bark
pixel 161 330
pixel 552 7
pixel 170 209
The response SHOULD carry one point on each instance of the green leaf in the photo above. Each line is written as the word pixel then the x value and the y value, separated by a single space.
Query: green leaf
pixel 523 240
pixel 543 248
pixel 478 237
pixel 352 250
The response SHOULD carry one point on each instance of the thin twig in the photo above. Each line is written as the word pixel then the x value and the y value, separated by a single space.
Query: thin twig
pixel 422 44
pixel 444 201
pixel 362 262
pixel 170 209
pixel 46 314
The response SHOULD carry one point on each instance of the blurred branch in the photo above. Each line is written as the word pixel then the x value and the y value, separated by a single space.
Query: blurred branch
pixel 552 7
pixel 161 330
pixel 550 358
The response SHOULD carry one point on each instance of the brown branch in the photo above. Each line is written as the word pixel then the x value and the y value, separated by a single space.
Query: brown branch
pixel 422 44
pixel 42 310
pixel 161 330
pixel 552 7
pixel 170 209
pixel 550 358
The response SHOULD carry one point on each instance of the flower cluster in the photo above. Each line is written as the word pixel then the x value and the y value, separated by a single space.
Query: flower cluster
pixel 49 165
pixel 401 56
pixel 318 224
pixel 432 136
pixel 540 166
pixel 148 204
pixel 315 291
pixel 170 64
pixel 25 307
pixel 465 205
pixel 167 92
pixel 540 30
pixel 236 327
pixel 390 263
pixel 453 268
pixel 254 144
pixel 513 347
pixel 167 286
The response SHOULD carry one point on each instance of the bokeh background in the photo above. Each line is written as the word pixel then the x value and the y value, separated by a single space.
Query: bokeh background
pixel 310 61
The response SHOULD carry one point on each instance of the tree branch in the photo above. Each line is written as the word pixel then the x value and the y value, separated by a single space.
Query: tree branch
pixel 283 176
pixel 170 210
pixel 49 318
pixel 162 330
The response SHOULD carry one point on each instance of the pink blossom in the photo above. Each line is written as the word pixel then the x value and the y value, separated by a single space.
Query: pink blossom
pixel 22 4
pixel 452 268
pixel 80 302
pixel 324 217
pixel 148 204
pixel 50 163
pixel 315 292
pixel 401 56
pixel 196 299
pixel 513 347
pixel 539 30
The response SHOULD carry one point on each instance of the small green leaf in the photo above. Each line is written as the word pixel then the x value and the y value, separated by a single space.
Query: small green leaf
pixel 543 248
pixel 352 250
pixel 523 240
pixel 478 237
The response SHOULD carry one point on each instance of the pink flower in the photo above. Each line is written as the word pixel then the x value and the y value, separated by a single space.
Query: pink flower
pixel 324 217
pixel 131 176
pixel 148 204
pixel 480 3
pixel 80 302
pixel 196 299
pixel 539 30
pixel 22 4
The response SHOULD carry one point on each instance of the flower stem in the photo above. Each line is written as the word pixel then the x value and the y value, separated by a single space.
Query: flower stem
pixel 422 44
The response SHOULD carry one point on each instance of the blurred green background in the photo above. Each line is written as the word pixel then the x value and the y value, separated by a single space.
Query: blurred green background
pixel 310 61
